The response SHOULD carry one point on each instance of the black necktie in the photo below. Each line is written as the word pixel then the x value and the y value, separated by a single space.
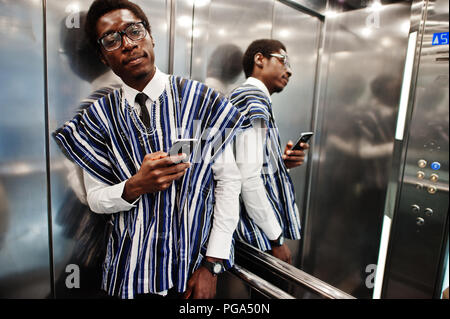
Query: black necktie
pixel 141 98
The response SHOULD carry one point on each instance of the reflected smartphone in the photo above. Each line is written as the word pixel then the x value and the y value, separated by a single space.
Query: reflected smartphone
pixel 304 138
pixel 185 146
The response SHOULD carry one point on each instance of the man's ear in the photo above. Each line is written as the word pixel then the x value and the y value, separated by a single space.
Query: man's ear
pixel 153 41
pixel 258 59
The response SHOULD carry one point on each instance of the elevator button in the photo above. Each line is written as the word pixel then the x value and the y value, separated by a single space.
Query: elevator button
pixel 420 175
pixel 434 177
pixel 429 212
pixel 419 186
pixel 415 208
pixel 422 163
pixel 436 166
pixel 432 190
pixel 420 221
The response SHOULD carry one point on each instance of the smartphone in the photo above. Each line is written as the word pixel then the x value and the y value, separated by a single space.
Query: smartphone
pixel 185 146
pixel 304 138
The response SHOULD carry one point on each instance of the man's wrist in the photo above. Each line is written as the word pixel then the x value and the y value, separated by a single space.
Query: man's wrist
pixel 277 242
pixel 213 265
pixel 131 190
pixel 213 259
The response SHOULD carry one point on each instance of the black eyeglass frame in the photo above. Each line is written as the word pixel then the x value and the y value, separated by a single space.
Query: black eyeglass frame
pixel 121 34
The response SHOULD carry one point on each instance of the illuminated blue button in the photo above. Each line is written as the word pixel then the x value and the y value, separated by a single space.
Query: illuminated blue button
pixel 436 166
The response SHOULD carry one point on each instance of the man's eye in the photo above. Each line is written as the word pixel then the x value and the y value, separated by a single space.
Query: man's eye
pixel 109 39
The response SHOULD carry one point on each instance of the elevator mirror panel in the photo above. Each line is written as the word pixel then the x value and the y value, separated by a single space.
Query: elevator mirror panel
pixel 24 253
pixel 74 71
pixel 219 42
pixel 293 107
pixel 361 73
pixel 182 37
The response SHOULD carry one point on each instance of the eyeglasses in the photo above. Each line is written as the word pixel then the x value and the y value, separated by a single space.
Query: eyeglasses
pixel 283 58
pixel 113 41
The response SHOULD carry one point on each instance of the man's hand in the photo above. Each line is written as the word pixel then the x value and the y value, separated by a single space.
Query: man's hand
pixel 202 284
pixel 294 158
pixel 156 174
pixel 282 252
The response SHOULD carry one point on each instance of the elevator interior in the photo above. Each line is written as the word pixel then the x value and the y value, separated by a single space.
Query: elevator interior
pixel 368 79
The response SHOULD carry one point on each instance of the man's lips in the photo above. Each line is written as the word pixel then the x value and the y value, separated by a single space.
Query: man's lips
pixel 134 59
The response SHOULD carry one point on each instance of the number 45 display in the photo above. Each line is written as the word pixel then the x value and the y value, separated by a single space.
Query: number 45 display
pixel 440 38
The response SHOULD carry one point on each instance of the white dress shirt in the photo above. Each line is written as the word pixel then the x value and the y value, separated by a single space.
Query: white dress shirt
pixel 105 199
pixel 249 158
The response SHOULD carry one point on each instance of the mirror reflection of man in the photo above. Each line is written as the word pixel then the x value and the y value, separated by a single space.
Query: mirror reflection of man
pixel 172 223
pixel 269 212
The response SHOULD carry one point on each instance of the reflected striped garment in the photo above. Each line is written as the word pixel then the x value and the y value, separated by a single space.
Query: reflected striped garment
pixel 161 242
pixel 254 104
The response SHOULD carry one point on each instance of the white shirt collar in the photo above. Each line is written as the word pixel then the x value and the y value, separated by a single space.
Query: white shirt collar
pixel 153 89
pixel 260 85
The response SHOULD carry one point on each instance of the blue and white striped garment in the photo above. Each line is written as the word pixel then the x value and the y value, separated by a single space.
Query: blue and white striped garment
pixel 254 104
pixel 161 242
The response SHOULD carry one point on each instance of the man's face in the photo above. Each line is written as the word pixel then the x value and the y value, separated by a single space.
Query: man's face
pixel 134 60
pixel 276 73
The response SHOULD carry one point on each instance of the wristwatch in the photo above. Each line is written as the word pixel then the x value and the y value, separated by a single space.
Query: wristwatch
pixel 214 267
pixel 277 242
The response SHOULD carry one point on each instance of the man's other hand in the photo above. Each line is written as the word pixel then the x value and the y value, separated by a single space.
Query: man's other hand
pixel 202 284
pixel 283 253
pixel 294 158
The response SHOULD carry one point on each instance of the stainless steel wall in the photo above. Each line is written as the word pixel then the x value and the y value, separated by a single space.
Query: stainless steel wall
pixel 24 242
pixel 360 81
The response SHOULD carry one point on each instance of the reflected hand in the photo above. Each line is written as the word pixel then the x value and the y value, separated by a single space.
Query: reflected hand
pixel 294 158
pixel 283 253
pixel 156 174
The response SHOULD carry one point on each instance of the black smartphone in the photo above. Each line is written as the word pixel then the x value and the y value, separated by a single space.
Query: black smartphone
pixel 180 146
pixel 304 138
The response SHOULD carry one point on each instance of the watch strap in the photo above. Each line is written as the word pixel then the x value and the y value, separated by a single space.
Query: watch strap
pixel 277 242
pixel 214 267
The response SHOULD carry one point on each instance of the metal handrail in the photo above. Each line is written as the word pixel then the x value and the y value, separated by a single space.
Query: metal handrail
pixel 259 284
pixel 298 276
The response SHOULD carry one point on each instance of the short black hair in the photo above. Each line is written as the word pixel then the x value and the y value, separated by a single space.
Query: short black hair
pixel 263 46
pixel 101 7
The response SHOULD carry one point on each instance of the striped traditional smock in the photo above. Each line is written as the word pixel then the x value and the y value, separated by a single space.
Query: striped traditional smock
pixel 254 104
pixel 159 243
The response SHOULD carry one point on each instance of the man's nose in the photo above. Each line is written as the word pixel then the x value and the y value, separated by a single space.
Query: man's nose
pixel 288 71
pixel 127 43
